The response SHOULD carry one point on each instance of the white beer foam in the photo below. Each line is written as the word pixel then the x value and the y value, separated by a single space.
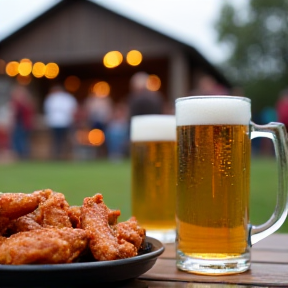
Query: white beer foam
pixel 217 110
pixel 153 128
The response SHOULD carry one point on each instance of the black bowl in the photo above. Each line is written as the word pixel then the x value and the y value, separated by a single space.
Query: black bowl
pixel 84 273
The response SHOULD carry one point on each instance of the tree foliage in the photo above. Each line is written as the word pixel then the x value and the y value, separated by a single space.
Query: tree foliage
pixel 258 41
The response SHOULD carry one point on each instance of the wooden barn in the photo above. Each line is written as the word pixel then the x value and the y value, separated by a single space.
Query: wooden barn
pixel 77 34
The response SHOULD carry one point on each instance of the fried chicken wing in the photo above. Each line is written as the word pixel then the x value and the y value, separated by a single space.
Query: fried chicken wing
pixel 74 213
pixel 2 239
pixel 131 232
pixel 24 223
pixel 113 216
pixel 51 212
pixel 14 205
pixel 109 240
pixel 54 211
pixel 94 215
pixel 43 246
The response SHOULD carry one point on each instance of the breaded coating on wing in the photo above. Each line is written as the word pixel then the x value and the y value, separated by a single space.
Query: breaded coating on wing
pixel 74 213
pixel 25 223
pixel 94 219
pixel 113 216
pixel 109 240
pixel 43 246
pixel 131 232
pixel 14 205
pixel 53 212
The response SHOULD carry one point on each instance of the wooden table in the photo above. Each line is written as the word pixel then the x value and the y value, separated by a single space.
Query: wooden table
pixel 269 269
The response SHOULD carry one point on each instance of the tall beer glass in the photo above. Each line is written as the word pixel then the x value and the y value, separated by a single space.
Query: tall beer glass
pixel 214 135
pixel 153 155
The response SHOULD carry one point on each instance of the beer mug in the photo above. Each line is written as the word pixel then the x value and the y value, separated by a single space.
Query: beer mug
pixel 153 157
pixel 214 135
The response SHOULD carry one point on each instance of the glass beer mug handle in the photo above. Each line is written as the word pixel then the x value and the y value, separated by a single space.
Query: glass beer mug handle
pixel 277 133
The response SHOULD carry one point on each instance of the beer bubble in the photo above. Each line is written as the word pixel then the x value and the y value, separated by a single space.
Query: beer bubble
pixel 158 164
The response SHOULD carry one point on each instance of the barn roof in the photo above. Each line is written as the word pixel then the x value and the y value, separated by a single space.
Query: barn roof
pixel 196 56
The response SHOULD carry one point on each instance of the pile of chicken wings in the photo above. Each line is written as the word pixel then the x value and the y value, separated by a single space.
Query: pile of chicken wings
pixel 42 228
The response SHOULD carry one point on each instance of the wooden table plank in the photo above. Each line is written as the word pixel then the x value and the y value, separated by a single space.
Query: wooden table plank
pixel 273 249
pixel 269 257
pixel 171 284
pixel 264 274
pixel 166 284
pixel 269 268
pixel 257 255
pixel 276 241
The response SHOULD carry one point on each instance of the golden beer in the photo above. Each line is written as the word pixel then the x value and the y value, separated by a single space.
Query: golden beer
pixel 153 160
pixel 153 184
pixel 213 175
pixel 213 190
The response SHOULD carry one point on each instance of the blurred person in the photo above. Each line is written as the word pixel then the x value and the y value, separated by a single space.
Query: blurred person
pixel 267 115
pixel 169 108
pixel 60 108
pixel 209 86
pixel 282 108
pixel 82 150
pixel 23 112
pixel 141 100
pixel 117 136
pixel 99 111
pixel 7 154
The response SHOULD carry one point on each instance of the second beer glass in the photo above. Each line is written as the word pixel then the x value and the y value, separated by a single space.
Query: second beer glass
pixel 153 159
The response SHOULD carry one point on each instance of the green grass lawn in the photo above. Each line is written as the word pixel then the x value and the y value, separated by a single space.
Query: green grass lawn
pixel 82 179
pixel 264 191
pixel 76 180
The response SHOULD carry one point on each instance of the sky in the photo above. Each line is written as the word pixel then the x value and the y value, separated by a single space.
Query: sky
pixel 190 21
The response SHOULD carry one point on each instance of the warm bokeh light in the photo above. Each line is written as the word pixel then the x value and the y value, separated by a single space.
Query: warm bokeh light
pixel 25 67
pixel 52 70
pixel 72 83
pixel 23 80
pixel 112 59
pixel 12 68
pixel 153 83
pixel 96 137
pixel 134 58
pixel 101 89
pixel 2 66
pixel 39 69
